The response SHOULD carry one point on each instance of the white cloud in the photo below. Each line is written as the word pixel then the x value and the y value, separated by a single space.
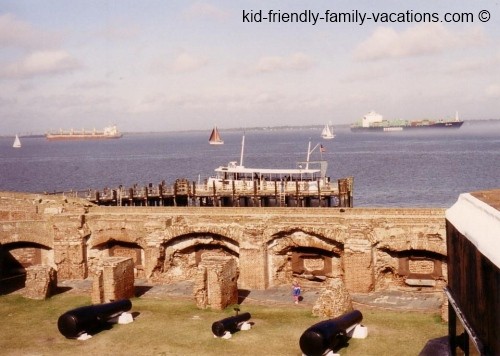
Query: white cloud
pixel 121 32
pixel 297 61
pixel 204 10
pixel 469 65
pixel 418 40
pixel 19 34
pixel 185 62
pixel 40 63
pixel 493 91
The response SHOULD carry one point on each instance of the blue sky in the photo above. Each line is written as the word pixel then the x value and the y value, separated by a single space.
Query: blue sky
pixel 181 65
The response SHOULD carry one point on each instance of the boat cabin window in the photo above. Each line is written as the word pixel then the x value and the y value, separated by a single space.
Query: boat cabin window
pixel 251 176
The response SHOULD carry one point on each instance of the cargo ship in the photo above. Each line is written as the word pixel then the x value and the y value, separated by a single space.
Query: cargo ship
pixel 107 133
pixel 374 122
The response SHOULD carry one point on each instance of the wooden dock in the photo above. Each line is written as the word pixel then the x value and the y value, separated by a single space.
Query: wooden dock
pixel 254 194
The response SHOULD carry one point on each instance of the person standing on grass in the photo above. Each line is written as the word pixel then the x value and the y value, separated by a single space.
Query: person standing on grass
pixel 296 291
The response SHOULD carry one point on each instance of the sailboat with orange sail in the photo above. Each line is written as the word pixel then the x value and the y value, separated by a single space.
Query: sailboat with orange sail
pixel 215 138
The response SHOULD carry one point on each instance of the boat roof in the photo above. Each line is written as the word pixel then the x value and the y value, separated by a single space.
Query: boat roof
pixel 476 216
pixel 243 169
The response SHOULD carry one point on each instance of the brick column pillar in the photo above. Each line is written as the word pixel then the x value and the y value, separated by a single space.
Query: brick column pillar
pixel 151 256
pixel 358 265
pixel 253 268
pixel 69 247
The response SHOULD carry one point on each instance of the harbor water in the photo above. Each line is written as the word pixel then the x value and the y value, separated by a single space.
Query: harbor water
pixel 422 169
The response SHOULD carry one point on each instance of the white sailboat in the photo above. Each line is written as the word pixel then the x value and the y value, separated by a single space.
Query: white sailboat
pixel 215 138
pixel 327 134
pixel 17 142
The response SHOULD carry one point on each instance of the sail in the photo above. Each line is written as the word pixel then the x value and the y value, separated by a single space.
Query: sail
pixel 17 142
pixel 215 138
pixel 327 133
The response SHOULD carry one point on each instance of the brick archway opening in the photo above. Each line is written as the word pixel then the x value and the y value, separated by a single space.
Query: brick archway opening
pixel 313 266
pixel 410 269
pixel 116 248
pixel 15 258
pixel 180 257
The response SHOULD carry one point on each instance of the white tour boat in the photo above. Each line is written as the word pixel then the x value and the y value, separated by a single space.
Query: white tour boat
pixel 305 177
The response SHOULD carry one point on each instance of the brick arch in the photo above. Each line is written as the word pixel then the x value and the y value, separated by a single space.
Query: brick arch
pixel 15 257
pixel 318 238
pixel 117 248
pixel 179 257
pixel 410 268
pixel 94 241
pixel 236 235
pixel 204 238
pixel 41 239
pixel 310 256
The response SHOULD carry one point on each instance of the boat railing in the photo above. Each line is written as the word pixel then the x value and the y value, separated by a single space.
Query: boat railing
pixel 265 187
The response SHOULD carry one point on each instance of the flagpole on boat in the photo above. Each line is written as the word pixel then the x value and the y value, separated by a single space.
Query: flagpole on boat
pixel 242 149
pixel 308 154
pixel 309 151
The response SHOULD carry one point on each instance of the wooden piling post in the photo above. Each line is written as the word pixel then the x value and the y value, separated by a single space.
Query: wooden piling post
pixel 175 193
pixel 276 192
pixel 297 193
pixel 145 195
pixel 319 193
pixel 160 194
pixel 193 195
pixel 234 193
pixel 131 196
pixel 350 181
pixel 214 194
pixel 255 193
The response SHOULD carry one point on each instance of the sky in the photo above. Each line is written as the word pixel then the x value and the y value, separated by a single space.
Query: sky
pixel 157 65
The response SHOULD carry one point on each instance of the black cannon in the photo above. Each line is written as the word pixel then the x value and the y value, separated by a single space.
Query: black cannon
pixel 230 324
pixel 77 321
pixel 328 334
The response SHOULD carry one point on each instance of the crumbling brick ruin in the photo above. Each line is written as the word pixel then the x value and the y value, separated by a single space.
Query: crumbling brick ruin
pixel 114 280
pixel 369 249
pixel 333 301
pixel 216 283
pixel 41 282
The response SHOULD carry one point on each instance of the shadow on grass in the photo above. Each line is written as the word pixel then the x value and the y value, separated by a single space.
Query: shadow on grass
pixel 141 290
pixel 242 295
pixel 61 290
pixel 12 284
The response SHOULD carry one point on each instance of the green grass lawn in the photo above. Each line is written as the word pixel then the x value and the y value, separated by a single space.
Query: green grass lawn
pixel 177 327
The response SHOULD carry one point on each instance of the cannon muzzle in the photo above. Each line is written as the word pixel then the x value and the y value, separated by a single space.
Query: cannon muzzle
pixel 230 324
pixel 328 334
pixel 77 321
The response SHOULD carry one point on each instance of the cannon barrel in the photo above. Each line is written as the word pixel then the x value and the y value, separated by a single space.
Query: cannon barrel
pixel 328 334
pixel 230 324
pixel 75 322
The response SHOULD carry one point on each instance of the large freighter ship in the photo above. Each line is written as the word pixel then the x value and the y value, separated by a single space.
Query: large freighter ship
pixel 374 122
pixel 107 133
